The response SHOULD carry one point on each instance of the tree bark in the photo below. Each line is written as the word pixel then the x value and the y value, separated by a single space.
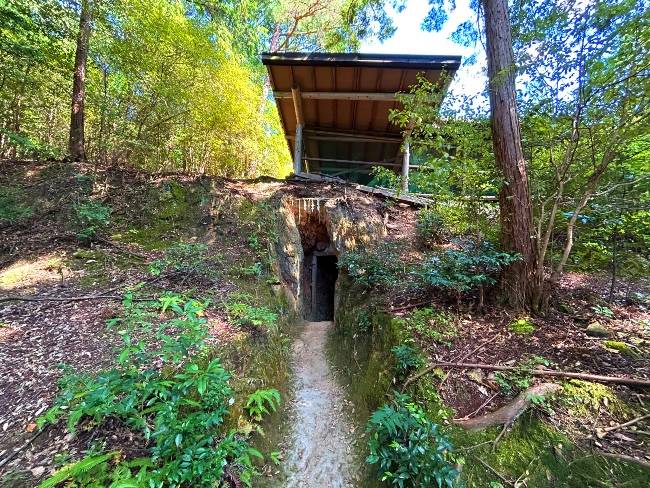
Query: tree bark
pixel 515 203
pixel 77 143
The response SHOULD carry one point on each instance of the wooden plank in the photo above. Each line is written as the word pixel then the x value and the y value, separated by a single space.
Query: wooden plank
pixel 414 201
pixel 297 104
pixel 385 97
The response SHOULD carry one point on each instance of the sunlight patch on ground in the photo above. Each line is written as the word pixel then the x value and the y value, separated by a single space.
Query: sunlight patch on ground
pixel 26 274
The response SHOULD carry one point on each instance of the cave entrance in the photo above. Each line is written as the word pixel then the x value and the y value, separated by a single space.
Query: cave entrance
pixel 319 267
pixel 323 281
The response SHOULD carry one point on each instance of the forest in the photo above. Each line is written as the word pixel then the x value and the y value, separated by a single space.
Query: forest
pixel 146 192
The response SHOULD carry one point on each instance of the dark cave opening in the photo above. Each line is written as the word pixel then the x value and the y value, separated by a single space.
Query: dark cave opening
pixel 319 270
pixel 324 275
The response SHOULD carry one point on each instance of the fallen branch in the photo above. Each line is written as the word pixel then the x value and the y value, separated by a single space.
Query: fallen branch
pixel 507 414
pixel 61 299
pixel 407 307
pixel 537 372
pixel 19 450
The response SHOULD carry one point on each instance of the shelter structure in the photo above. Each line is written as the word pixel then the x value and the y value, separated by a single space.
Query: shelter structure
pixel 335 108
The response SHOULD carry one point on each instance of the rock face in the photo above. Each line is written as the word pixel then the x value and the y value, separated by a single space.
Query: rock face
pixel 290 255
pixel 330 226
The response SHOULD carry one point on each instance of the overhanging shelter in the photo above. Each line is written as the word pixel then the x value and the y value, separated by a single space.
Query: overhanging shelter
pixel 334 108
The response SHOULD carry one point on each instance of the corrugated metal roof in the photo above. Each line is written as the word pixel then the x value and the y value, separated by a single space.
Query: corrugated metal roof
pixel 345 101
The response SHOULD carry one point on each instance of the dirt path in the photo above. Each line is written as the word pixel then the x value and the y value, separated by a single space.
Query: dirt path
pixel 321 453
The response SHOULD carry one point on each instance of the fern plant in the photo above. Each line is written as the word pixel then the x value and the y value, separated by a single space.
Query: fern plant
pixel 261 401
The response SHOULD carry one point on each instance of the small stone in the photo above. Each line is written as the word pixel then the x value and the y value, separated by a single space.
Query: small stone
pixel 596 330
pixel 38 471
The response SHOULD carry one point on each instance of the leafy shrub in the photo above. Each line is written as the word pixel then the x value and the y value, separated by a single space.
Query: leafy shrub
pixel 376 265
pixel 246 315
pixel 179 413
pixel 90 216
pixel 364 321
pixel 261 401
pixel 432 325
pixel 30 148
pixel 408 447
pixel 408 358
pixel 464 270
pixel 429 226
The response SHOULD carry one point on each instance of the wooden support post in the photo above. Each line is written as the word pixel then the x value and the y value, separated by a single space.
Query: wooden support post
pixel 297 156
pixel 300 119
pixel 405 166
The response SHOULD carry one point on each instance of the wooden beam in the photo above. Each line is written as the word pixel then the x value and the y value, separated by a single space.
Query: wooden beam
pixel 377 97
pixel 405 166
pixel 364 163
pixel 351 138
pixel 297 103
pixel 297 157
pixel 357 135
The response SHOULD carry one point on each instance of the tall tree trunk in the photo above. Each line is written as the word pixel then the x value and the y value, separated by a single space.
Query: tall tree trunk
pixel 514 195
pixel 77 146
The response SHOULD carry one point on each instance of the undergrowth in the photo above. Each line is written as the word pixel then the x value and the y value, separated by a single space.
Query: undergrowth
pixel 178 409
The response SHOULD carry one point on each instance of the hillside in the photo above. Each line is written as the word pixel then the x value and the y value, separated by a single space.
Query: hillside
pixel 106 270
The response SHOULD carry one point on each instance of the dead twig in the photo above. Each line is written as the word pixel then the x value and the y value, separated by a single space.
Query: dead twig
pixel 407 307
pixel 15 452
pixel 626 424
pixel 503 478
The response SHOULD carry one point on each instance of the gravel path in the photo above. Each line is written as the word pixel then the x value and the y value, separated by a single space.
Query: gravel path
pixel 321 451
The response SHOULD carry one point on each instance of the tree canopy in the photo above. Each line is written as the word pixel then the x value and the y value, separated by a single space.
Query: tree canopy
pixel 169 84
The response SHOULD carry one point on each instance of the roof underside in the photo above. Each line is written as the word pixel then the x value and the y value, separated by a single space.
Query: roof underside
pixel 345 100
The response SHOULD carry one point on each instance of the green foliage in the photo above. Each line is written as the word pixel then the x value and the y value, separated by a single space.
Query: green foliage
pixel 604 311
pixel 91 215
pixel 374 265
pixel 178 409
pixel 245 314
pixel 261 401
pixel 186 257
pixel 521 378
pixel 522 326
pixel 10 207
pixel 408 359
pixel 32 148
pixel 430 226
pixel 431 325
pixel 408 447
pixel 464 270
pixel 82 471
pixel 252 270
pixel 364 322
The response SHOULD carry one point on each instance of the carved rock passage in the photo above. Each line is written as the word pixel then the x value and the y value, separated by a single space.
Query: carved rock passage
pixel 321 448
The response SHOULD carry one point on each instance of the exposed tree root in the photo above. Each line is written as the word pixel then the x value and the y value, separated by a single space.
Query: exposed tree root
pixel 509 413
